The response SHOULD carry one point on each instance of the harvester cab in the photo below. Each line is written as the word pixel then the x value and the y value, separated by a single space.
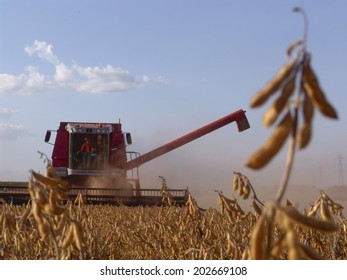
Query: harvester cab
pixel 90 150
pixel 93 158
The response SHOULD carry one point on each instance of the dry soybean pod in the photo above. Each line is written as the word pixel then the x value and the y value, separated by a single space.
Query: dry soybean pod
pixel 256 207
pixel 257 241
pixel 310 253
pixel 279 104
pixel 241 191
pixel 304 135
pixel 43 229
pixel 53 210
pixel 68 238
pixel 61 193
pixel 60 227
pixel 307 108
pixel 47 181
pixel 273 85
pixel 337 206
pixel 305 132
pixel 314 209
pixel 314 91
pixel 261 157
pixel 25 215
pixel 325 196
pixel 50 172
pixel 53 199
pixel 246 191
pixel 324 211
pixel 78 234
pixel 39 195
pixel 236 182
pixel 308 222
pixel 294 252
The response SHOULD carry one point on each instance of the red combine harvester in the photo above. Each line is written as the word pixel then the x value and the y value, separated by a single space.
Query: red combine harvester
pixel 93 158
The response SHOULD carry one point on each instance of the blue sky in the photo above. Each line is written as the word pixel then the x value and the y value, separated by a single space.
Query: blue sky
pixel 165 68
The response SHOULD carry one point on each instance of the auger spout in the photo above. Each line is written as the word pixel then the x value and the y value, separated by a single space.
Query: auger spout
pixel 238 116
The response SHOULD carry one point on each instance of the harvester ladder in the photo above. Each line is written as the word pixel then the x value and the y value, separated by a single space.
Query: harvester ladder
pixel 133 174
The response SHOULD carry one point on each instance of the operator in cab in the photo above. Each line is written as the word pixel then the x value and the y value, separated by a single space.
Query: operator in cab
pixel 85 150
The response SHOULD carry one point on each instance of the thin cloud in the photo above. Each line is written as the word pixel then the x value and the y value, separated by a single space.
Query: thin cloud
pixel 6 113
pixel 108 79
pixel 11 132
pixel 43 51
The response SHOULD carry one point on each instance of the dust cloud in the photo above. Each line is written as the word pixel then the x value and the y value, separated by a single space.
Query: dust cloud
pixel 205 182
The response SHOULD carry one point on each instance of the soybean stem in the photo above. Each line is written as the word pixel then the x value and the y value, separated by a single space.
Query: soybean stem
pixel 291 152
pixel 302 11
